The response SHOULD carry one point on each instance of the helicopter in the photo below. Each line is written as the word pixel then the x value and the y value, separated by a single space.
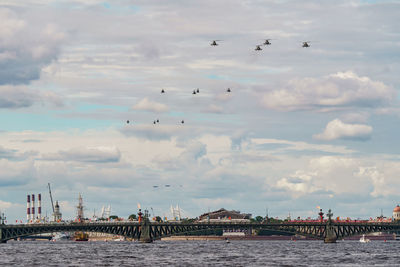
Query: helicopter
pixel 305 44
pixel 214 42
pixel 258 48
pixel 182 121
pixel 267 42
pixel 194 92
pixel 162 91
pixel 228 90
pixel 198 90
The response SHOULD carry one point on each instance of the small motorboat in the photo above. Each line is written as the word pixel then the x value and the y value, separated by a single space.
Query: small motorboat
pixel 364 240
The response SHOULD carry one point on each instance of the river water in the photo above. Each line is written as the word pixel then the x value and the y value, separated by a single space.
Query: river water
pixel 200 253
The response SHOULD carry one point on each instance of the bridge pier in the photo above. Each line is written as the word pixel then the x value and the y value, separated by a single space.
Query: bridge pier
pixel 330 235
pixel 1 236
pixel 145 236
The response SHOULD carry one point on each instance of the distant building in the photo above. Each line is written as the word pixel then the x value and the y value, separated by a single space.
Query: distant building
pixel 396 213
pixel 223 215
pixel 57 214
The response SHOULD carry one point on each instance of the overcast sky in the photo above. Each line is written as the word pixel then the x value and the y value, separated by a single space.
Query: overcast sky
pixel 301 127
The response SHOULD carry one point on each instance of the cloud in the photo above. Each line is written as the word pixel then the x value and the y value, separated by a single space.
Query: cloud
pixel 337 129
pixel 22 97
pixel 148 105
pixel 15 173
pixel 156 131
pixel 25 47
pixel 86 154
pixel 13 154
pixel 336 91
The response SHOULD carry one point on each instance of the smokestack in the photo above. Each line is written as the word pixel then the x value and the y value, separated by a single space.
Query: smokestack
pixel 28 208
pixel 33 207
pixel 40 206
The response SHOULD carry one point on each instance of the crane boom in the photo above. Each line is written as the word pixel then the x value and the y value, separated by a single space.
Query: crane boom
pixel 51 198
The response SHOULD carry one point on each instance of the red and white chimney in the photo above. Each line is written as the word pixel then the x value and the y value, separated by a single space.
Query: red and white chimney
pixel 40 206
pixel 33 207
pixel 28 208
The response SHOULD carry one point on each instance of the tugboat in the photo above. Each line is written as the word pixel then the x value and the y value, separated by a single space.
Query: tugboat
pixel 81 236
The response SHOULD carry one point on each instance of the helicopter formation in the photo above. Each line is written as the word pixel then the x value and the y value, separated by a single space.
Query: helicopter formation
pixel 258 47
pixel 163 91
pixel 266 42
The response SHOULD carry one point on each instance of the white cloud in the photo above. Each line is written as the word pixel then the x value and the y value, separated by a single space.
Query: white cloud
pixel 25 47
pixel 336 91
pixel 87 154
pixel 22 96
pixel 337 129
pixel 15 173
pixel 148 105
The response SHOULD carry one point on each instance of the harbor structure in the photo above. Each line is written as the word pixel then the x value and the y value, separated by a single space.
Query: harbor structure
pixel 79 208
pixel 396 213
pixel 57 216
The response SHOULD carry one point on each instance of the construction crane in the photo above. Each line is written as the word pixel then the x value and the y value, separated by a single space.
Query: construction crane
pixel 51 198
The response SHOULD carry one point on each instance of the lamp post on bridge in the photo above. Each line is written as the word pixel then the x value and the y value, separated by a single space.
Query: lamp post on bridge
pixel 144 227
pixel 330 235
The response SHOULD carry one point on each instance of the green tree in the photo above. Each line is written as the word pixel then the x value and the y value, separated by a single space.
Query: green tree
pixel 259 219
pixel 132 217
pixel 113 217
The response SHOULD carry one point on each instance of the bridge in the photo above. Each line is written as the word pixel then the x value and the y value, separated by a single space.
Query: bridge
pixel 146 231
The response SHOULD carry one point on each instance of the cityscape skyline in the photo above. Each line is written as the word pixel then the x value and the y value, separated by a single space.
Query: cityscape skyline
pixel 300 127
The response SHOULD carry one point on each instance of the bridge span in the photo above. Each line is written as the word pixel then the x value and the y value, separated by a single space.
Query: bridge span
pixel 147 231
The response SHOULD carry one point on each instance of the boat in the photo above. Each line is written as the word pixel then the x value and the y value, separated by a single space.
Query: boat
pixel 61 236
pixel 120 238
pixel 364 240
pixel 81 236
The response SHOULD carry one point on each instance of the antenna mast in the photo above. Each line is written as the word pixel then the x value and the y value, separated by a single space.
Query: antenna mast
pixel 51 198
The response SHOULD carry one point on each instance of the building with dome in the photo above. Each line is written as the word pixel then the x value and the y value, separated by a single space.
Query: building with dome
pixel 396 213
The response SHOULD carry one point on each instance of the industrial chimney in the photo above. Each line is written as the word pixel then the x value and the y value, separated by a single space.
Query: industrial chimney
pixel 28 208
pixel 40 206
pixel 33 208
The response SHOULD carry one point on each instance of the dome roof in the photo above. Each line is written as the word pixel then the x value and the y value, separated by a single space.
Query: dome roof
pixel 397 209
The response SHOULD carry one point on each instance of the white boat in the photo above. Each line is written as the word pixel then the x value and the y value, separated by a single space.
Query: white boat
pixel 120 238
pixel 61 236
pixel 364 240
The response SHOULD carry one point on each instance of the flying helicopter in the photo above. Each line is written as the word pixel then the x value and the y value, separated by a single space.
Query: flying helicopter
pixel 267 42
pixel 214 42
pixel 162 91
pixel 157 121
pixel 198 90
pixel 155 186
pixel 306 44
pixel 127 122
pixel 194 92
pixel 228 90
pixel 182 121
pixel 258 48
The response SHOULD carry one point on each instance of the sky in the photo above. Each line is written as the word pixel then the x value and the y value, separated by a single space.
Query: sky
pixel 301 127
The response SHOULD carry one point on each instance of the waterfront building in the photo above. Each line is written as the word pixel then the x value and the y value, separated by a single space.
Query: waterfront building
pixel 396 213
pixel 223 215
